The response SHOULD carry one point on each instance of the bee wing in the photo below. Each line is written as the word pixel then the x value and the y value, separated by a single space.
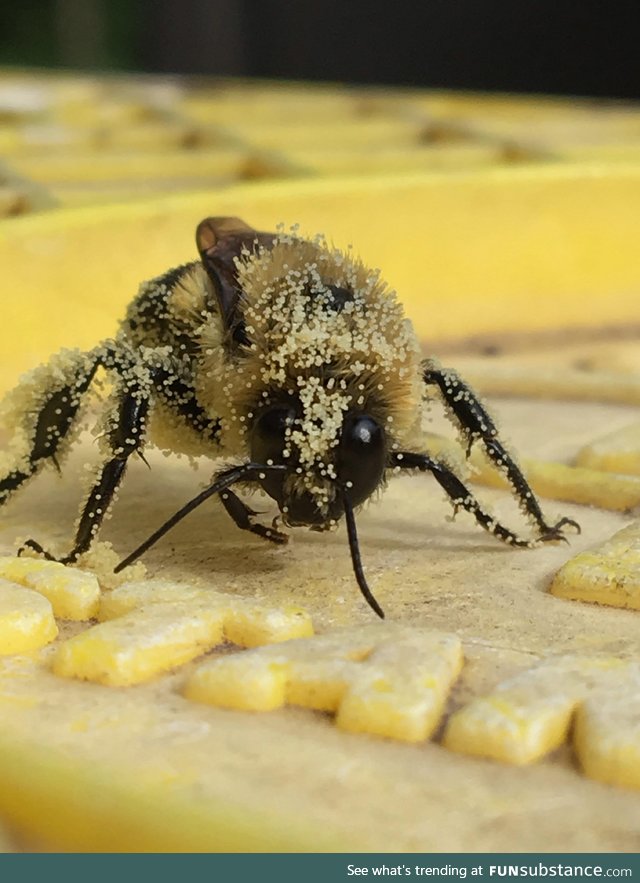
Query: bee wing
pixel 220 241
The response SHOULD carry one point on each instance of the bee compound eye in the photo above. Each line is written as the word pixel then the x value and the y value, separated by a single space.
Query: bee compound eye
pixel 268 443
pixel 361 457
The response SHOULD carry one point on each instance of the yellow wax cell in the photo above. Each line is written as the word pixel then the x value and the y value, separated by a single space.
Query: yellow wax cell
pixel 608 574
pixel 252 625
pixel 250 681
pixel 320 673
pixel 245 623
pixel 385 681
pixel 141 644
pixel 556 481
pixel 399 158
pixel 572 484
pixel 74 594
pixel 131 167
pixel 151 626
pixel 529 715
pixel 615 452
pixel 367 134
pixel 401 690
pixel 16 570
pixel 141 593
pixel 548 383
pixel 26 619
pixel 607 734
pixel 13 201
pixel 321 667
pixel 150 136
pixel 510 726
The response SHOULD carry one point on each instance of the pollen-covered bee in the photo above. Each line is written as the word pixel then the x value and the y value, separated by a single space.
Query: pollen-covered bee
pixel 285 355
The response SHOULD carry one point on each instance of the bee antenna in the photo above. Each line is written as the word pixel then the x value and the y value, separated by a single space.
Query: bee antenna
pixel 224 480
pixel 354 548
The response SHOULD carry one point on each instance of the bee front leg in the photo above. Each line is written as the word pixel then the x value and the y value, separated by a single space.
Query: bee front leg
pixel 461 497
pixel 476 424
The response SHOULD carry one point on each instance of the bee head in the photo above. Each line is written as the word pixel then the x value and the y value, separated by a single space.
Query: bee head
pixel 313 495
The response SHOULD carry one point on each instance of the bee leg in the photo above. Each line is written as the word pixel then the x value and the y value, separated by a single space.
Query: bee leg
pixel 245 472
pixel 460 496
pixel 36 547
pixel 46 418
pixel 125 437
pixel 476 424
pixel 242 516
pixel 181 398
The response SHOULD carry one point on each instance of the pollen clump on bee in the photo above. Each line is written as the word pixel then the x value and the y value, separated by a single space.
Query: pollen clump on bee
pixel 41 409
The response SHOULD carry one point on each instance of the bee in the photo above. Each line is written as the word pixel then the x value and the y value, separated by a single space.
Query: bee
pixel 286 356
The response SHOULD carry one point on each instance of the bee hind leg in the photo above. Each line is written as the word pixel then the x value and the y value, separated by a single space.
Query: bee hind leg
pixel 44 409
pixel 124 436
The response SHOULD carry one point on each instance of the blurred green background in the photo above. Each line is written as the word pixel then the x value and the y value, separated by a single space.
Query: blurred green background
pixel 546 46
pixel 70 33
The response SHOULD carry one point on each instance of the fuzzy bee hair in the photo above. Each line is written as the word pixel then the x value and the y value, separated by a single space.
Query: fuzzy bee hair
pixel 281 353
